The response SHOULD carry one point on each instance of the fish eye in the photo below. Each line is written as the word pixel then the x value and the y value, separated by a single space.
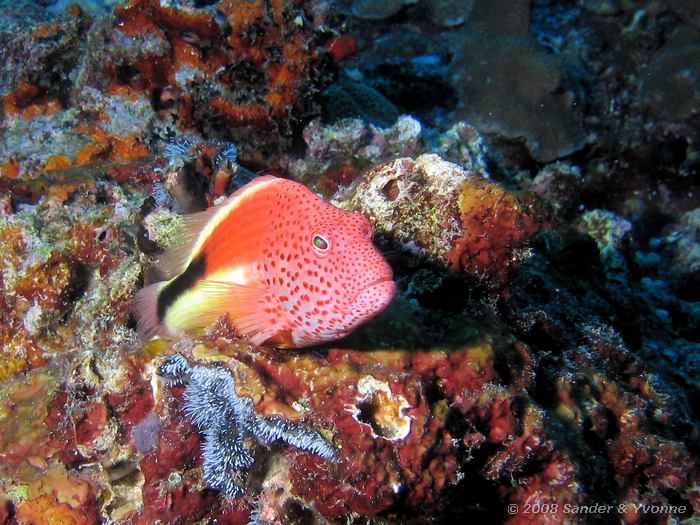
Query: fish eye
pixel 321 243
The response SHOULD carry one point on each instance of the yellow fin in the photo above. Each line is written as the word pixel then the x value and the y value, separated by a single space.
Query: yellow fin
pixel 244 305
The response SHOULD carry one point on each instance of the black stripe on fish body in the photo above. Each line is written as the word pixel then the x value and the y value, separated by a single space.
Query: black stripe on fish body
pixel 183 282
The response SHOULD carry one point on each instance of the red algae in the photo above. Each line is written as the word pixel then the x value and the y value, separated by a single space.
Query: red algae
pixel 133 400
pixel 451 215
pixel 30 420
pixel 59 498
pixel 247 64
pixel 27 102
pixel 372 464
pixel 342 46
pixel 260 38
pixel 240 115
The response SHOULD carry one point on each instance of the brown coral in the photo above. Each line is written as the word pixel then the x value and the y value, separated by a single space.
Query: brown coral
pixel 670 85
pixel 511 87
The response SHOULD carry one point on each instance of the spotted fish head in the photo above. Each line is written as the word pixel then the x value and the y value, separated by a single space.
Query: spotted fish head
pixel 325 271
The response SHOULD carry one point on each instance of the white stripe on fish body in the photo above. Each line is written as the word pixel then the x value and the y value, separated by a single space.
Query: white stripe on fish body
pixel 222 213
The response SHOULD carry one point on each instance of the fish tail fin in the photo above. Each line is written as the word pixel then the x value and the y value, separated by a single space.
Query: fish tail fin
pixel 145 309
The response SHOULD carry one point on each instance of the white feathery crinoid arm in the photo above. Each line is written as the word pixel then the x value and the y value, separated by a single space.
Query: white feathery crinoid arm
pixel 227 461
pixel 227 419
pixel 175 369
pixel 274 428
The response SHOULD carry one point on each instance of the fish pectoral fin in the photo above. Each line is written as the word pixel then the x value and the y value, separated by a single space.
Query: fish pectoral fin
pixel 244 305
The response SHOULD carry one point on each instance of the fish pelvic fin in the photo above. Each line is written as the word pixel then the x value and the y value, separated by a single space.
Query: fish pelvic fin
pixel 246 307
pixel 145 309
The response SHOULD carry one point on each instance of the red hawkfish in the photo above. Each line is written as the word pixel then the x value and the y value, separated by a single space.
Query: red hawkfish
pixel 287 267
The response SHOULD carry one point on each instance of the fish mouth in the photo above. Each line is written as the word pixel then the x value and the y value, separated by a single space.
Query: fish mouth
pixel 379 280
pixel 385 274
pixel 374 297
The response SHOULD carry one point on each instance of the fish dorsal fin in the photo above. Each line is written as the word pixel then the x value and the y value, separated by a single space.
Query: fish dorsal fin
pixel 244 305
pixel 176 258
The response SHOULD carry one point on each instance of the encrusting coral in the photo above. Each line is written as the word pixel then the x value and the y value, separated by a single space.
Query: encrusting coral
pixel 227 420
pixel 511 87
pixel 566 382
pixel 447 214
pixel 136 78
pixel 670 85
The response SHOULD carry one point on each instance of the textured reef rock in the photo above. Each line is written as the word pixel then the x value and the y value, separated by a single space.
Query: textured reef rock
pixel 448 215
pixel 68 272
pixel 336 154
pixel 485 66
pixel 242 67
pixel 684 243
pixel 609 231
pixel 439 426
pixel 133 80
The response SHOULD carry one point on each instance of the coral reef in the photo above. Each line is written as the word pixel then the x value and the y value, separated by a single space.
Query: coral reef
pixel 336 153
pixel 258 63
pixel 670 86
pixel 350 99
pixel 684 241
pixel 141 77
pixel 608 231
pixel 492 71
pixel 444 422
pixel 559 184
pixel 30 38
pixel 369 10
pixel 527 97
pixel 67 272
pixel 541 352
